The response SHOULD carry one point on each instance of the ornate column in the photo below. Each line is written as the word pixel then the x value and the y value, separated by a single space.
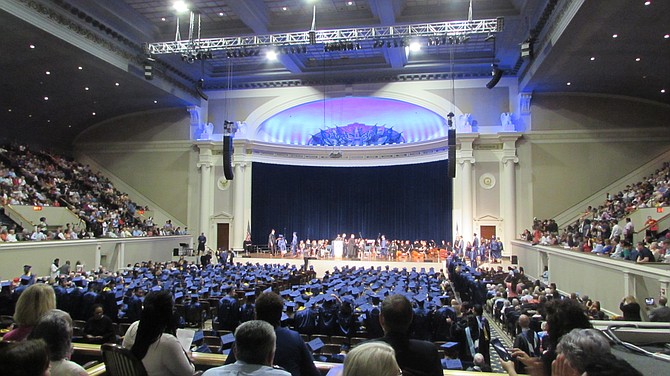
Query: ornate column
pixel 508 189
pixel 466 159
pixel 205 164
pixel 238 206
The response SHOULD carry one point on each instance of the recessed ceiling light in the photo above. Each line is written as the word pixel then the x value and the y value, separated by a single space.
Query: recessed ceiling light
pixel 69 126
pixel 86 88
pixel 46 98
pixel 637 59
pixel 221 14
pixel 663 91
pixel 32 46
pixel 10 110
pixel 350 3
pixel 80 68
pixel 615 35
pixel 93 113
pixel 155 101
pixel 666 36
pixel 284 8
pixel 116 84
pixel 163 19
pixel 592 58
pixel 569 83
pixel 48 73
pixel 647 2
pixel 48 120
pixel 30 115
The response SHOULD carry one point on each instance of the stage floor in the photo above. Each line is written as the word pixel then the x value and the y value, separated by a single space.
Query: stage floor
pixel 321 265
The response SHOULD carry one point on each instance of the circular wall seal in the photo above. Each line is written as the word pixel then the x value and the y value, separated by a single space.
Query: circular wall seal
pixel 487 181
pixel 222 183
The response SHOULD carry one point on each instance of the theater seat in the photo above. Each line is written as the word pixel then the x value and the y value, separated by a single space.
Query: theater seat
pixel 121 362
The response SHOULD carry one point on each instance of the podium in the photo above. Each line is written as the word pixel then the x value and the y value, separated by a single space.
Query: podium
pixel 338 248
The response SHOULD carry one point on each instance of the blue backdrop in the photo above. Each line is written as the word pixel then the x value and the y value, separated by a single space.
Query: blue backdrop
pixel 402 202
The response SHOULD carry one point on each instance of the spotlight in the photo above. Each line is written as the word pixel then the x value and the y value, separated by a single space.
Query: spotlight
pixel 199 89
pixel 490 37
pixel 527 49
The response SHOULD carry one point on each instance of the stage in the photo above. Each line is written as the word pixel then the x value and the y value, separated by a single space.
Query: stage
pixel 321 265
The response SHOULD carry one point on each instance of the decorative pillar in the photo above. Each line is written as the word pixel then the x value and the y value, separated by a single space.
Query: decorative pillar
pixel 238 207
pixel 465 158
pixel 205 164
pixel 508 189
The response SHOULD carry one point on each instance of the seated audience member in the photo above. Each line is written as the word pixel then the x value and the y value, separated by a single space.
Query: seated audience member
pixel 527 341
pixel 292 353
pixel 153 338
pixel 99 328
pixel 563 315
pixel 413 356
pixel 55 328
pixel 479 364
pixel 254 350
pixel 371 359
pixel 660 313
pixel 595 313
pixel 34 301
pixel 630 309
pixel 644 254
pixel 26 358
pixel 588 352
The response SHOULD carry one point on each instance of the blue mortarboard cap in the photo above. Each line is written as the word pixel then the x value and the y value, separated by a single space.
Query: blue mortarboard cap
pixel 269 289
pixel 69 290
pixel 198 335
pixel 156 288
pixel 289 304
pixel 195 296
pixel 285 293
pixel 118 294
pixel 178 295
pixel 284 317
pixel 227 339
pixel 250 294
pixel 449 345
pixel 203 349
pixel 225 351
pixel 294 294
pixel 315 344
pixel 452 364
pixel 6 283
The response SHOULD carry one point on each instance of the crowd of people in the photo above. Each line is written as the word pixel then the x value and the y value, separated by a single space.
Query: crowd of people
pixel 404 312
pixel 40 178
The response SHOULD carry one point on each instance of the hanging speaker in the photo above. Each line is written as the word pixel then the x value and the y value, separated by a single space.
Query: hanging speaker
pixel 496 74
pixel 451 151
pixel 228 157
pixel 199 88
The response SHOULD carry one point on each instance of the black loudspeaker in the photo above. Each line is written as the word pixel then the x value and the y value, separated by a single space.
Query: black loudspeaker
pixel 497 75
pixel 199 89
pixel 514 259
pixel 228 157
pixel 451 162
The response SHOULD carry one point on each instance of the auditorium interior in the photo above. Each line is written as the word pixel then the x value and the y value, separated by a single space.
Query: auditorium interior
pixel 421 124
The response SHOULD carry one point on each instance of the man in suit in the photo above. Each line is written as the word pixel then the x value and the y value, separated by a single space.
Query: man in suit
pixel 527 341
pixel 415 357
pixel 272 242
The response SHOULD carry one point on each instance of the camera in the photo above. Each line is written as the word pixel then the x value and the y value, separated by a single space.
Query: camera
pixel 649 301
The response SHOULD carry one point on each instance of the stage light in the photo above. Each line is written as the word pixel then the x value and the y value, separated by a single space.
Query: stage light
pixel 180 6
pixel 271 55
pixel 415 46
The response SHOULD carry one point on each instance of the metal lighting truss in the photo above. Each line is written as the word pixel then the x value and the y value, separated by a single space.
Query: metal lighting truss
pixel 438 29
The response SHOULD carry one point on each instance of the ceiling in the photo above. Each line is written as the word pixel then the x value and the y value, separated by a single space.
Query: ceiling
pixel 93 53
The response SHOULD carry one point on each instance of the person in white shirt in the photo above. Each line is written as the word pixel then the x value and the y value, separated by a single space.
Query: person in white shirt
pixel 54 271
